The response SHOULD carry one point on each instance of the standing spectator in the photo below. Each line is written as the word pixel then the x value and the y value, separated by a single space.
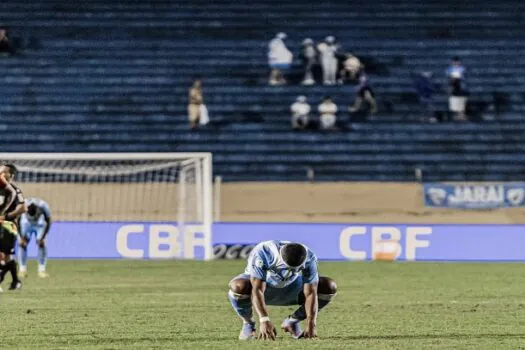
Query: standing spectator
pixel 6 48
pixel 327 52
pixel 196 106
pixel 300 113
pixel 279 59
pixel 457 100
pixel 308 55
pixel 351 67
pixel 327 113
pixel 364 92
pixel 425 88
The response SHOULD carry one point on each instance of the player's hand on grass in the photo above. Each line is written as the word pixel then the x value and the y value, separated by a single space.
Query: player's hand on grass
pixel 267 331
pixel 311 330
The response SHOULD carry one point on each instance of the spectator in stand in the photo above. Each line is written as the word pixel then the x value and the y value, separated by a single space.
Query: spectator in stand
pixel 457 100
pixel 327 113
pixel 426 87
pixel 6 48
pixel 351 67
pixel 364 92
pixel 328 57
pixel 300 113
pixel 279 59
pixel 308 56
pixel 197 111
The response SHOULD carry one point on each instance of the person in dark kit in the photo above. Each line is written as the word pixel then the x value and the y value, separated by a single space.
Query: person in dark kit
pixel 425 88
pixel 6 47
pixel 364 92
pixel 308 55
pixel 13 205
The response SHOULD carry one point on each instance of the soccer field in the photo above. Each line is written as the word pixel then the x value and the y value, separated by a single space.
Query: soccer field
pixel 183 305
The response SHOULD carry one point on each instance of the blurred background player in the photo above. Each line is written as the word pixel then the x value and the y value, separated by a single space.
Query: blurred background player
pixel 280 273
pixel 36 222
pixel 12 205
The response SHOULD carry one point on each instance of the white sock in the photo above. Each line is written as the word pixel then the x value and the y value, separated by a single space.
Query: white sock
pixel 41 268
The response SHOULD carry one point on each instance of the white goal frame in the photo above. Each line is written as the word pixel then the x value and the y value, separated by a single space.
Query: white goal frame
pixel 205 187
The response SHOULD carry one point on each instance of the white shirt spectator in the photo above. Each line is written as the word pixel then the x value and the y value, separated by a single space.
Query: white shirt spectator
pixel 327 110
pixel 278 53
pixel 300 113
pixel 327 54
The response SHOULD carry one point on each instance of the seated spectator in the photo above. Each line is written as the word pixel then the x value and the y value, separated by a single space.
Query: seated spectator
pixel 457 100
pixel 6 48
pixel 279 59
pixel 308 56
pixel 425 88
pixel 327 113
pixel 300 113
pixel 328 57
pixel 197 111
pixel 364 92
pixel 456 69
pixel 351 67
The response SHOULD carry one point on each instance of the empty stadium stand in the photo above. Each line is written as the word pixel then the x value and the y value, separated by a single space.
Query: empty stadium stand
pixel 98 76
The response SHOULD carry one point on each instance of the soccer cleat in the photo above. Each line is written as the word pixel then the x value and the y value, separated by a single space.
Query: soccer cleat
pixel 15 285
pixel 292 327
pixel 247 331
pixel 43 274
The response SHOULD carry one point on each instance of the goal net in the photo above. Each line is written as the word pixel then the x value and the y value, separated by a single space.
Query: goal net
pixel 117 187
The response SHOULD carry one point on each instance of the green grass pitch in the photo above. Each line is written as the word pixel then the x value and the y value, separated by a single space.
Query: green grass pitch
pixel 183 305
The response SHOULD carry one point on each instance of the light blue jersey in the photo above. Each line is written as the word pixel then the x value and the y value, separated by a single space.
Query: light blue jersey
pixel 38 224
pixel 265 263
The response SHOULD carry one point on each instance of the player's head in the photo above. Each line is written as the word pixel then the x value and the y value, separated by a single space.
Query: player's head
pixel 32 210
pixel 293 254
pixel 9 170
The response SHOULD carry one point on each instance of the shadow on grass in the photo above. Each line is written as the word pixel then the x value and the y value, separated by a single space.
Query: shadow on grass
pixel 426 336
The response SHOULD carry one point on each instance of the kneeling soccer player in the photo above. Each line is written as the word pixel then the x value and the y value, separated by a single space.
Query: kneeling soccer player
pixel 280 273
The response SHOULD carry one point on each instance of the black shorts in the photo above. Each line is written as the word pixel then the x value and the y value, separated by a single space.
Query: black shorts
pixel 8 238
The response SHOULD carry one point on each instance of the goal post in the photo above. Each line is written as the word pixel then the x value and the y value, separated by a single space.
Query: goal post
pixel 171 188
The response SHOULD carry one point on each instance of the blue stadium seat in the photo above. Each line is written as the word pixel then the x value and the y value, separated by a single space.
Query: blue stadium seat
pixel 106 76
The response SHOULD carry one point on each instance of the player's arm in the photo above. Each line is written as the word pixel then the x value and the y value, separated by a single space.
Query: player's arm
pixel 258 267
pixel 47 217
pixel 20 209
pixel 311 280
pixel 267 329
pixel 10 193
pixel 310 293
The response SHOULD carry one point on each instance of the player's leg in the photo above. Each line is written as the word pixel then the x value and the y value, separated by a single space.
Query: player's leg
pixel 326 291
pixel 42 254
pixel 22 253
pixel 25 237
pixel 240 298
pixel 12 267
pixel 10 234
